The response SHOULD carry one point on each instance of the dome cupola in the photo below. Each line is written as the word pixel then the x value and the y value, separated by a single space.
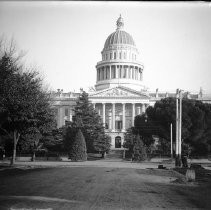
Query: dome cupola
pixel 119 36
pixel 120 23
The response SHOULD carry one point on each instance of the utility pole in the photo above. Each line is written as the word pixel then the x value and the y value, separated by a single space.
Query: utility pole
pixel 177 128
pixel 171 142
pixel 180 126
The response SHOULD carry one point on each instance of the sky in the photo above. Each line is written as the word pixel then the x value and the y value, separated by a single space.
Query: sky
pixel 64 40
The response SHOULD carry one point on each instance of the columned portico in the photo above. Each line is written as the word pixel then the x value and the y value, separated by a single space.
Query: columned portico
pixel 118 117
pixel 116 114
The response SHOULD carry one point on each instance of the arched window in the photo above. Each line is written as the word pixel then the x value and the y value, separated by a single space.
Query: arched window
pixel 110 55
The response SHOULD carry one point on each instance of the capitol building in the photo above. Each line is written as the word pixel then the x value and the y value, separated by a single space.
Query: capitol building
pixel 119 94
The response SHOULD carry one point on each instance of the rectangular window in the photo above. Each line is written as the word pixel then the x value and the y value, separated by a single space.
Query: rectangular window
pixel 115 55
pixel 120 55
pixel 125 55
pixel 118 125
pixel 106 57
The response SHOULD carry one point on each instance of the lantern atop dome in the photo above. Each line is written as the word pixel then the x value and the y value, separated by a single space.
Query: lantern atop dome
pixel 120 23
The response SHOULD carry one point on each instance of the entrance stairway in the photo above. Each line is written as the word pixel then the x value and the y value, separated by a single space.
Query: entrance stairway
pixel 115 154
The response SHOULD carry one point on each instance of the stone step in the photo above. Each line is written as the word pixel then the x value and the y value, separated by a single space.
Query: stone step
pixel 115 154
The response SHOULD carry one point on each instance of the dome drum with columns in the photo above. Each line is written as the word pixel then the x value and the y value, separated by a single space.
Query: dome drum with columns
pixel 119 93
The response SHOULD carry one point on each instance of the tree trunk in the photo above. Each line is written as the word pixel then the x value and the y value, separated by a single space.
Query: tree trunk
pixel 33 156
pixel 16 136
pixel 103 155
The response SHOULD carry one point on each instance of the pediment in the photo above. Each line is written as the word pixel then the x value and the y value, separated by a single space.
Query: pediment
pixel 119 92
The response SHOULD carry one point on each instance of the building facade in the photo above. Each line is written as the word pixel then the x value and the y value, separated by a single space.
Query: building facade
pixel 119 94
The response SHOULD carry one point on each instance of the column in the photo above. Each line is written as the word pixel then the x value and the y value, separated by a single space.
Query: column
pixel 70 115
pixel 120 72
pixel 103 114
pixel 93 105
pixel 117 72
pixel 61 117
pixel 123 116
pixel 105 69
pixel 133 113
pixel 139 110
pixel 141 75
pixel 143 108
pixel 113 116
pixel 102 70
pixel 101 73
pixel 110 119
pixel 98 74
pixel 109 72
pixel 126 69
pixel 136 74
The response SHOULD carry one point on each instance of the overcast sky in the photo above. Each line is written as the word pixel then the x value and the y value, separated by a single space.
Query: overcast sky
pixel 65 40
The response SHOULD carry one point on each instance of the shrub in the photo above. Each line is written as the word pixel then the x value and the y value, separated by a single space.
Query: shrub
pixel 78 150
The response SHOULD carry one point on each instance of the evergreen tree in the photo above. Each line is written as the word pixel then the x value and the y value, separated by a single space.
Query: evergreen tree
pixel 139 149
pixel 87 119
pixel 129 139
pixel 78 150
